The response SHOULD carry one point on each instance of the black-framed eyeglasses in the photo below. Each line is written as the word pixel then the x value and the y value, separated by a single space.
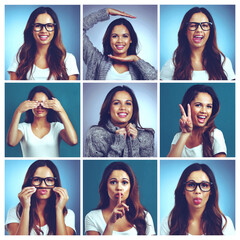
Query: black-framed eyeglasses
pixel 205 26
pixel 204 186
pixel 37 27
pixel 49 181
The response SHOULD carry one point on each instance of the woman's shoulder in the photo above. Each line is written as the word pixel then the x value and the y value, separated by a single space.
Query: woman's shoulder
pixel 229 227
pixel 146 132
pixel 164 229
pixel 94 214
pixel 217 133
pixel 167 70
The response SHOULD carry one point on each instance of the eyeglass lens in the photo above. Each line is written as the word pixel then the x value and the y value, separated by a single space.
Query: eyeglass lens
pixel 204 186
pixel 38 27
pixel 49 181
pixel 192 26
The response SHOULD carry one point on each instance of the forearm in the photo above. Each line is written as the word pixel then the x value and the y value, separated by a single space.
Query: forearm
pixel 70 133
pixel 117 147
pixel 61 228
pixel 23 228
pixel 109 229
pixel 176 150
pixel 12 136
pixel 147 70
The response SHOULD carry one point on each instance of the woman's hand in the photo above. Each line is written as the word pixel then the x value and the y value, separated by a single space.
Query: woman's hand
pixel 61 197
pixel 131 131
pixel 27 105
pixel 53 104
pixel 115 12
pixel 186 120
pixel 25 196
pixel 122 131
pixel 118 211
pixel 129 58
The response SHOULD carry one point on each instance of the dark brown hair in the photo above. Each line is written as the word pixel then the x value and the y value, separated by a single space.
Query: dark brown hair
pixel 50 210
pixel 211 221
pixel 52 116
pixel 107 49
pixel 207 130
pixel 136 214
pixel 56 52
pixel 212 56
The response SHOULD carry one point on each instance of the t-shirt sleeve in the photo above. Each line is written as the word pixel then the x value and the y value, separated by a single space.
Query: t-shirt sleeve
pixel 164 229
pixel 227 66
pixel 70 220
pixel 90 222
pixel 175 139
pixel 150 226
pixel 219 145
pixel 12 217
pixel 229 228
pixel 22 127
pixel 58 127
pixel 71 65
pixel 14 65
pixel 167 70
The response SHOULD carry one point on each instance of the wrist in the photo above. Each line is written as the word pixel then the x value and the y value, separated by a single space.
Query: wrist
pixel 136 58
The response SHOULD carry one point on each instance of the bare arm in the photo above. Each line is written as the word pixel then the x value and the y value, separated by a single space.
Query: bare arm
pixel 72 77
pixel 14 135
pixel 68 134
pixel 13 76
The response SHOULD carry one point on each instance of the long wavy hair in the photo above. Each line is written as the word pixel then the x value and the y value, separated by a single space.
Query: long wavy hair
pixel 107 49
pixel 52 116
pixel 50 210
pixel 211 56
pixel 56 52
pixel 211 221
pixel 136 213
pixel 207 130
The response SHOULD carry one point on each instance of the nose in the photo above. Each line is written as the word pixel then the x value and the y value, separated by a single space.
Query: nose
pixel 203 109
pixel 44 29
pixel 43 184
pixel 119 186
pixel 199 29
pixel 122 106
pixel 198 190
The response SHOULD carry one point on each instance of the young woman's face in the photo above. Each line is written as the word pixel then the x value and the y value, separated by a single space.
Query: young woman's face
pixel 43 190
pixel 118 185
pixel 43 37
pixel 40 111
pixel 120 40
pixel 201 109
pixel 197 199
pixel 121 109
pixel 198 38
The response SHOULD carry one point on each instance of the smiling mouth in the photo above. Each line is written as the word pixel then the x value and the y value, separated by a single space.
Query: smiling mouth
pixel 120 47
pixel 43 37
pixel 201 119
pixel 197 38
pixel 122 115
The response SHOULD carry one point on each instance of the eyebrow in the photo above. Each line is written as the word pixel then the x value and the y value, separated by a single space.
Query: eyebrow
pixel 128 100
pixel 116 179
pixel 207 103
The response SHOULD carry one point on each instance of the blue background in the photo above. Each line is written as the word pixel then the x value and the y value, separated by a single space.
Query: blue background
pixel 16 17
pixel 146 94
pixel 146 174
pixel 67 94
pixel 224 171
pixel 171 96
pixel 69 171
pixel 170 20
pixel 145 26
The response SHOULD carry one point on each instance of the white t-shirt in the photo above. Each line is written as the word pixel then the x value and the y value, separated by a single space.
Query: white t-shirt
pixel 228 229
pixel 48 146
pixel 218 145
pixel 69 221
pixel 168 71
pixel 94 221
pixel 114 75
pixel 42 74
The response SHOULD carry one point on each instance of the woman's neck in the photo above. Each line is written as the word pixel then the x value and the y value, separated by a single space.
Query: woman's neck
pixel 196 59
pixel 41 204
pixel 40 122
pixel 42 49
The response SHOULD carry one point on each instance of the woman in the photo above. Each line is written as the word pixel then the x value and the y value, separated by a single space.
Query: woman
pixel 119 60
pixel 197 56
pixel 119 211
pixel 196 210
pixel 199 136
pixel 41 210
pixel 119 133
pixel 46 123
pixel 43 55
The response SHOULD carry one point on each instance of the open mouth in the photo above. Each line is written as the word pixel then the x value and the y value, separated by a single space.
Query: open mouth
pixel 201 119
pixel 119 47
pixel 197 201
pixel 43 37
pixel 122 115
pixel 197 38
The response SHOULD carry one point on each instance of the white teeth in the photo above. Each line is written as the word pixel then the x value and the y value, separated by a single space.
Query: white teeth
pixel 122 114
pixel 202 117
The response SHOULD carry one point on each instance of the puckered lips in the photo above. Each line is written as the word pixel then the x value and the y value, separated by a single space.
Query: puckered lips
pixel 198 38
pixel 43 191
pixel 117 195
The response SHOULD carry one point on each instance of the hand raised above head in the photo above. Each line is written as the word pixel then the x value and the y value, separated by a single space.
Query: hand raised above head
pixel 115 12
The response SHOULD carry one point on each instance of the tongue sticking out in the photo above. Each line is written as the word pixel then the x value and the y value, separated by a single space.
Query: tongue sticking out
pixel 197 39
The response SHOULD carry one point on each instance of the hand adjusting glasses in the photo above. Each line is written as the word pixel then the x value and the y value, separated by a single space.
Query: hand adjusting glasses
pixel 49 181
pixel 37 27
pixel 204 186
pixel 205 26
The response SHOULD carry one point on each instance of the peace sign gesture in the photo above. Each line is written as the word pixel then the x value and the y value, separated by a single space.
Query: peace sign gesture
pixel 185 121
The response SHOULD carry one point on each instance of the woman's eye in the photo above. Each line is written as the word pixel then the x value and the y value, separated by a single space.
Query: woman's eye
pixel 113 182
pixel 114 36
pixel 115 103
pixel 129 104
pixel 125 36
pixel 198 105
pixel 125 182
pixel 209 106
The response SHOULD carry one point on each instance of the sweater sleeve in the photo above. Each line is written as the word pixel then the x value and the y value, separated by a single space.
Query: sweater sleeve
pixel 100 143
pixel 148 72
pixel 90 53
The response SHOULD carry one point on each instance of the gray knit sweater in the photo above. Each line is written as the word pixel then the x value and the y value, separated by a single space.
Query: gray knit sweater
pixel 104 142
pixel 98 65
